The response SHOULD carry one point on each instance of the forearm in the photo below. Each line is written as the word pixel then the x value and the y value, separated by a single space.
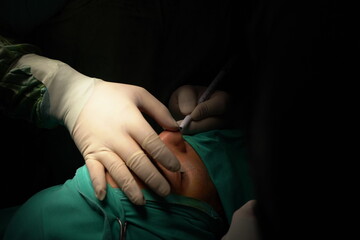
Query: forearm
pixel 20 92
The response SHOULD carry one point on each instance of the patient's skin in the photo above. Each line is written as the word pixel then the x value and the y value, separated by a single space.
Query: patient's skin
pixel 193 180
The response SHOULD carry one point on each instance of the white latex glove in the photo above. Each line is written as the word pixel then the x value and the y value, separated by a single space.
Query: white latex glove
pixel 208 115
pixel 243 224
pixel 106 122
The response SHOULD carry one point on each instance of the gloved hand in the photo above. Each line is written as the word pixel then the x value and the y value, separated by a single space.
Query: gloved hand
pixel 243 224
pixel 210 114
pixel 106 123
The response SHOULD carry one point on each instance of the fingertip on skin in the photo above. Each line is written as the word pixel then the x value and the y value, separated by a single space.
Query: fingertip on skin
pixel 176 127
pixel 158 184
pixel 100 194
pixel 97 175
pixel 173 129
pixel 140 200
pixel 181 169
pixel 134 194
pixel 165 119
pixel 174 166
pixel 163 190
pixel 169 161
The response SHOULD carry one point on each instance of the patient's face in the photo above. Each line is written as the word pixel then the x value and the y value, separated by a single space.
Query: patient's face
pixel 193 181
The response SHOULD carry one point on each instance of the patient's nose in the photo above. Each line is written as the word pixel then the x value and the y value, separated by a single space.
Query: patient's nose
pixel 173 140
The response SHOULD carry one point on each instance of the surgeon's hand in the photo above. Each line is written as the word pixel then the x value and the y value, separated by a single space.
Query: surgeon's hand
pixel 106 122
pixel 213 113
pixel 243 225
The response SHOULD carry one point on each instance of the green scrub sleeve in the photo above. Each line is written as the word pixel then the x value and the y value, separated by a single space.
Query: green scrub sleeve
pixel 21 93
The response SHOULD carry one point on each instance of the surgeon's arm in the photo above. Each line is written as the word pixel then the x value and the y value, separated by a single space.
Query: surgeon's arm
pixel 104 119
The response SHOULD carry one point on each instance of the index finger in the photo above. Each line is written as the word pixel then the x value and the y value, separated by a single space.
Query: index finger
pixel 150 141
pixel 216 105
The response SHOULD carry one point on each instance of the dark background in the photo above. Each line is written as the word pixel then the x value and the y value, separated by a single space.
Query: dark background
pixel 295 82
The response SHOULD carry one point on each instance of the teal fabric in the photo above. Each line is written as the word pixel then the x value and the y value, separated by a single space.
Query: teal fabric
pixel 71 211
pixel 231 176
pixel 5 216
